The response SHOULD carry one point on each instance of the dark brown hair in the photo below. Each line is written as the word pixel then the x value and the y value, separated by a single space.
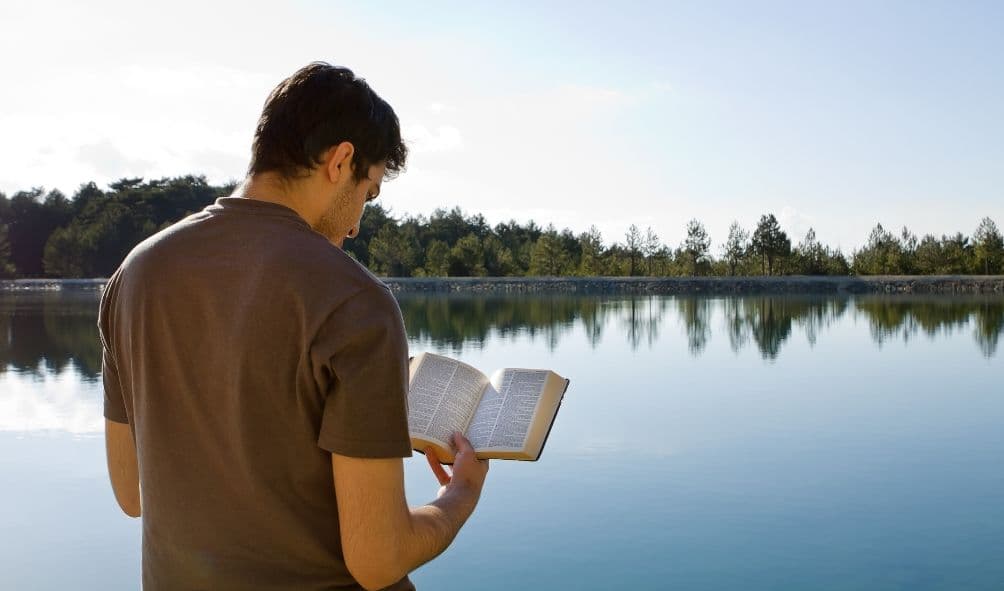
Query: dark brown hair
pixel 320 106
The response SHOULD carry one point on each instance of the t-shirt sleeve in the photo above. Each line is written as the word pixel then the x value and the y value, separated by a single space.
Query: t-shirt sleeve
pixel 115 409
pixel 360 357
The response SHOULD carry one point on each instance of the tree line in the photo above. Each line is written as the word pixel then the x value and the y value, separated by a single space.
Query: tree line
pixel 47 234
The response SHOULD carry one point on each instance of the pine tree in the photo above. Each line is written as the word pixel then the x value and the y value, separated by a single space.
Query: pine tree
pixel 989 249
pixel 467 257
pixel 437 259
pixel 650 247
pixel 735 248
pixel 591 245
pixel 632 243
pixel 882 254
pixel 770 243
pixel 394 251
pixel 810 255
pixel 696 246
pixel 548 257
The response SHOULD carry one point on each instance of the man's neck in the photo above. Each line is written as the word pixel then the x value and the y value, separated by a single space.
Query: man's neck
pixel 269 187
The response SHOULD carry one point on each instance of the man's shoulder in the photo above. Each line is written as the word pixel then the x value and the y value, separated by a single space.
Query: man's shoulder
pixel 359 292
pixel 294 259
pixel 156 244
pixel 362 278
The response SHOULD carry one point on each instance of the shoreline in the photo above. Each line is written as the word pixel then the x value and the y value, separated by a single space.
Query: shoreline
pixel 793 284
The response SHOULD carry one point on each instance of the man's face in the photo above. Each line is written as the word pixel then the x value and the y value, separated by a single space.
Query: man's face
pixel 347 205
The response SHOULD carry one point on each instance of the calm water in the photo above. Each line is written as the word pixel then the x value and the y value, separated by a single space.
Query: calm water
pixel 705 443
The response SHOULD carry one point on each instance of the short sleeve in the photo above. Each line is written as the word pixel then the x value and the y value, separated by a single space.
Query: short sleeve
pixel 360 355
pixel 115 409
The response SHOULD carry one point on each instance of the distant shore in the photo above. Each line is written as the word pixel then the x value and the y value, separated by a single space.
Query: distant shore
pixel 878 284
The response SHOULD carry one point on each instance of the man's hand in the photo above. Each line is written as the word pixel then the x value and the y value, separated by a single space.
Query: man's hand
pixel 382 538
pixel 468 473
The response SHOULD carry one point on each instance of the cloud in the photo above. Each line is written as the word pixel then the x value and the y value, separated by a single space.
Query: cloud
pixel 9 187
pixel 795 223
pixel 107 160
pixel 445 138
pixel 219 164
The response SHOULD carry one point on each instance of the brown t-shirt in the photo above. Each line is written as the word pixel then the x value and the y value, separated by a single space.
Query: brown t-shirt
pixel 242 347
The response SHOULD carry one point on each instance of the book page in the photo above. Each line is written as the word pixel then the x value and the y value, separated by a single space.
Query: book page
pixel 442 397
pixel 503 418
pixel 485 417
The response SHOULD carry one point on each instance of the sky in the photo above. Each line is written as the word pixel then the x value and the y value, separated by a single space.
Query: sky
pixel 831 115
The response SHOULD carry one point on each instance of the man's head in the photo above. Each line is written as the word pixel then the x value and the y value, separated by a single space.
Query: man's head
pixel 327 136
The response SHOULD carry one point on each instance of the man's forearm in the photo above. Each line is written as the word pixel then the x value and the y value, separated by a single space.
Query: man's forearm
pixel 434 526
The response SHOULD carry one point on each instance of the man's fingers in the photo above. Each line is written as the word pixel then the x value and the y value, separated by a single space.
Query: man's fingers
pixel 437 468
pixel 462 444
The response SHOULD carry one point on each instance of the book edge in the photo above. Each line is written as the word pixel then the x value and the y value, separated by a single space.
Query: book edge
pixel 553 420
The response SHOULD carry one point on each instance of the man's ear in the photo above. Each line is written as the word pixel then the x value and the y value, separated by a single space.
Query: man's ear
pixel 338 161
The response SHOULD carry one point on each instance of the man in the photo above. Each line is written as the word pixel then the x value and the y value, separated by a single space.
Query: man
pixel 256 375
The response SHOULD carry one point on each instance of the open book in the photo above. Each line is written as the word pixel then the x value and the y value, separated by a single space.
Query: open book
pixel 507 416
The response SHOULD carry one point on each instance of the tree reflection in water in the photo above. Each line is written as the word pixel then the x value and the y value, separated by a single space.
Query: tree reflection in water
pixel 50 331
pixel 768 321
pixel 47 331
pixel 458 321
pixel 989 326
pixel 898 317
pixel 640 319
pixel 696 316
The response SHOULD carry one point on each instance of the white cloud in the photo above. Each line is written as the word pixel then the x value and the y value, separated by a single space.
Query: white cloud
pixel 795 223
pixel 445 138
pixel 129 120
pixel 109 161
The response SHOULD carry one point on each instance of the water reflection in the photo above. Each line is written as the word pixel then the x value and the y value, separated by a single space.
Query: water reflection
pixel 895 319
pixel 457 321
pixel 768 321
pixel 696 316
pixel 989 326
pixel 48 333
pixel 641 319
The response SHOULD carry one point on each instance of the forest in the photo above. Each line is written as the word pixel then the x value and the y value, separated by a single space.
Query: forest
pixel 47 234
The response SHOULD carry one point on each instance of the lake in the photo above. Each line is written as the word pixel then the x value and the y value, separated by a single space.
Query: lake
pixel 704 444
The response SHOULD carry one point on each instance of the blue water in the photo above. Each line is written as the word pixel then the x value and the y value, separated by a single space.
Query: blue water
pixel 754 443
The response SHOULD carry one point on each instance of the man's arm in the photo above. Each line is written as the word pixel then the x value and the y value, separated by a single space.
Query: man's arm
pixel 123 469
pixel 382 538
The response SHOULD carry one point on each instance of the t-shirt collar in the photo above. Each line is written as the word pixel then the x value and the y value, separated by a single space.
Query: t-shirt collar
pixel 255 207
